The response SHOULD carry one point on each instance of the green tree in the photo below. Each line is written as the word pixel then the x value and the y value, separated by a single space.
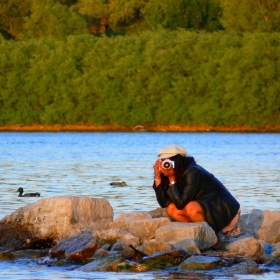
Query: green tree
pixel 12 15
pixel 49 18
pixel 192 14
pixel 251 15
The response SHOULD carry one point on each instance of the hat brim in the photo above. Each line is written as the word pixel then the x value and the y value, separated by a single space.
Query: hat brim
pixel 167 155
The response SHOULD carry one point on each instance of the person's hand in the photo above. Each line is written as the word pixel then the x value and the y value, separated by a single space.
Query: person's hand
pixel 157 169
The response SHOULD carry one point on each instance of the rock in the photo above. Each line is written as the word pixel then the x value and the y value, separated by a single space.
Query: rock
pixel 134 267
pixel 105 264
pixel 165 259
pixel 36 226
pixel 100 253
pixel 114 235
pixel 159 213
pixel 204 263
pixel 77 248
pixel 125 221
pixel 245 246
pixel 246 267
pixel 264 225
pixel 145 229
pixel 7 256
pixel 31 254
pixel 187 245
pixel 151 247
pixel 203 235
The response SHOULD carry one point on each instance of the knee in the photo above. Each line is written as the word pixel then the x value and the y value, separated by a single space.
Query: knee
pixel 193 208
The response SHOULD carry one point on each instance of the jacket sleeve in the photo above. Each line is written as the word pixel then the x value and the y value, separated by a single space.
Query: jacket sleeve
pixel 162 195
pixel 189 190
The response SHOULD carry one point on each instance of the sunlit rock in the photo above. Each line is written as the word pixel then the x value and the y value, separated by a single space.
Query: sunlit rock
pixel 151 246
pixel 245 267
pixel 264 225
pixel 145 229
pixel 38 225
pixel 114 235
pixel 245 246
pixel 125 221
pixel 202 234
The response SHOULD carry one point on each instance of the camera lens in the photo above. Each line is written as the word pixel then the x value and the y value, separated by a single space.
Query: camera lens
pixel 166 165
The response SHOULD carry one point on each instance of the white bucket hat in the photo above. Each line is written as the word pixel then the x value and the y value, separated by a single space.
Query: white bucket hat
pixel 171 151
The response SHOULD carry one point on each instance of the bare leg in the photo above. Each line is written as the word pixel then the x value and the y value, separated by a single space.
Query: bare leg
pixel 190 214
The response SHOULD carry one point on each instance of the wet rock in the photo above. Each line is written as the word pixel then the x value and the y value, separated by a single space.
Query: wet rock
pixel 31 254
pixel 105 264
pixel 245 246
pixel 80 247
pixel 125 221
pixel 187 245
pixel 145 229
pixel 202 234
pixel 245 267
pixel 135 267
pixel 100 253
pixel 114 235
pixel 7 256
pixel 204 262
pixel 151 246
pixel 165 259
pixel 264 225
pixel 36 226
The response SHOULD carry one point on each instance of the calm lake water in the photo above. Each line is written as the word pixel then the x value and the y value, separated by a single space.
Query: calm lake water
pixel 84 164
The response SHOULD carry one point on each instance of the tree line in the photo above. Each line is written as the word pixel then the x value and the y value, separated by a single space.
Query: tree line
pixel 140 62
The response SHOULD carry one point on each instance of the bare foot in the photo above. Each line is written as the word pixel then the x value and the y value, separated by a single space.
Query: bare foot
pixel 218 245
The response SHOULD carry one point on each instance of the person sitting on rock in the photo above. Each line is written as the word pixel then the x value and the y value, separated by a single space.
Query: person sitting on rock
pixel 191 194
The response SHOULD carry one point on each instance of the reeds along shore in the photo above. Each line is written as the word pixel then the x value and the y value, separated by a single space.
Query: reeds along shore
pixel 139 128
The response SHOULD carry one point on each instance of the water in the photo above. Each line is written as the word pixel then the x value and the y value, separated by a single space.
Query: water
pixel 84 164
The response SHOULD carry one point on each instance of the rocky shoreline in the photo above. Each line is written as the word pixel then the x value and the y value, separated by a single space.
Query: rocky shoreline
pixel 82 232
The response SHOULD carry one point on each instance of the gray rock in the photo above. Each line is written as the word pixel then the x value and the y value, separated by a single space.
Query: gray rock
pixel 159 213
pixel 264 225
pixel 203 235
pixel 76 248
pixel 151 246
pixel 37 225
pixel 246 267
pixel 145 229
pixel 204 263
pixel 245 246
pixel 109 263
pixel 187 244
pixel 125 221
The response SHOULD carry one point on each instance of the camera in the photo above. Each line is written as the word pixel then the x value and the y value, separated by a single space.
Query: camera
pixel 167 163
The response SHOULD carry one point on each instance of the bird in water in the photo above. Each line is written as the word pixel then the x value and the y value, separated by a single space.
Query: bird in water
pixel 20 191
pixel 120 184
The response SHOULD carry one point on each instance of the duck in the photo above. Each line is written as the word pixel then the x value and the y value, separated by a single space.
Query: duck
pixel 20 191
pixel 120 184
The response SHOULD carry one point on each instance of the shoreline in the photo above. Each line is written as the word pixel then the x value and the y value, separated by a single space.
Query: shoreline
pixel 137 128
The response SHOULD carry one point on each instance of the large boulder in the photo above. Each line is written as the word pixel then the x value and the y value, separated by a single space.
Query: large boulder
pixel 39 224
pixel 203 235
pixel 264 225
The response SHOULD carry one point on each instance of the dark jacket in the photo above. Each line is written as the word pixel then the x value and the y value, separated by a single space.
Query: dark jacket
pixel 218 205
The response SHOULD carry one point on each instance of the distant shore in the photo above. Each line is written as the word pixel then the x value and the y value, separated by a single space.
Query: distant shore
pixel 137 128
